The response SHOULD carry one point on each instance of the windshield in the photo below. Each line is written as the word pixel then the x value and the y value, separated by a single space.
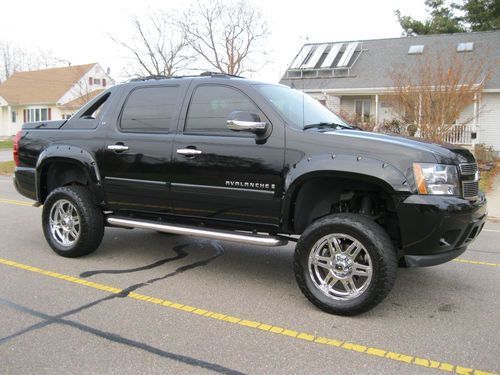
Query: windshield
pixel 298 108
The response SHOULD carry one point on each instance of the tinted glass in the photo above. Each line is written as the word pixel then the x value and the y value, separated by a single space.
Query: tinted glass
pixel 210 107
pixel 149 109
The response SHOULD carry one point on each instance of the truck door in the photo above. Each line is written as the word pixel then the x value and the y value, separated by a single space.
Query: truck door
pixel 138 150
pixel 221 175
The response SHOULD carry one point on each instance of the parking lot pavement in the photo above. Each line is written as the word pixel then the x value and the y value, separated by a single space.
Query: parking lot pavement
pixel 151 303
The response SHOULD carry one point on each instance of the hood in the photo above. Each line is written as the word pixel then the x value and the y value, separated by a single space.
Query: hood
pixel 443 153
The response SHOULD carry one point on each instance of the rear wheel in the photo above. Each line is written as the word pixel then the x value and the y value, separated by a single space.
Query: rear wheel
pixel 345 264
pixel 72 224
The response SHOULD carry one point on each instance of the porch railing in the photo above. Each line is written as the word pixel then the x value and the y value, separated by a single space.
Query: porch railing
pixel 459 135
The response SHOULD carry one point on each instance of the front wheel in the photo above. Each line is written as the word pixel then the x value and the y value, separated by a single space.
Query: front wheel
pixel 345 264
pixel 72 224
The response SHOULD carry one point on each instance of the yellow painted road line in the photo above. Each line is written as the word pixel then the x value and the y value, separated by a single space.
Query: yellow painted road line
pixel 18 203
pixel 476 262
pixel 374 352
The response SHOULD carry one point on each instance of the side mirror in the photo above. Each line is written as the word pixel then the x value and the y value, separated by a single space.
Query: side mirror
pixel 242 121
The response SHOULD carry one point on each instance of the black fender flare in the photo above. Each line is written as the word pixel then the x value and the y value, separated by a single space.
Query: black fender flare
pixel 75 155
pixel 386 176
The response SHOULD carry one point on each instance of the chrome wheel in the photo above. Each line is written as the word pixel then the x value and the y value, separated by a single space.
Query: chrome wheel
pixel 64 223
pixel 340 266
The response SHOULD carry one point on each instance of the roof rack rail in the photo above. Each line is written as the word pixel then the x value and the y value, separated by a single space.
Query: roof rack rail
pixel 147 78
pixel 204 74
pixel 219 74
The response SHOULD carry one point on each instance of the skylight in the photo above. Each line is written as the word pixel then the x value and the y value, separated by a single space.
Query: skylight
pixel 346 57
pixel 465 47
pixel 416 49
pixel 334 50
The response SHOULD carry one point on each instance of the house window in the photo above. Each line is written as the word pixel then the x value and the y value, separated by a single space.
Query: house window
pixel 363 109
pixel 43 116
pixel 416 49
pixel 91 81
pixel 97 81
pixel 465 47
pixel 36 114
pixel 66 116
pixel 14 116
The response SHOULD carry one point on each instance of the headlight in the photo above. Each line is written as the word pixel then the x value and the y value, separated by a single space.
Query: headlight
pixel 438 179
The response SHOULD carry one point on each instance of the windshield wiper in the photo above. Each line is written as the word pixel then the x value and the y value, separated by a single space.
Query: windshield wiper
pixel 326 125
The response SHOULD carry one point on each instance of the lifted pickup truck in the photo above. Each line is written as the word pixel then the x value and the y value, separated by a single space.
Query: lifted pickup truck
pixel 237 160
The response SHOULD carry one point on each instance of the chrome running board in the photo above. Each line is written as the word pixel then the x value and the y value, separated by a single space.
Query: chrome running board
pixel 224 235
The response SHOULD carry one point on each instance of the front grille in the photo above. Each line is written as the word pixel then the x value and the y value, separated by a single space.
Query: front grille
pixel 470 180
pixel 468 169
pixel 470 189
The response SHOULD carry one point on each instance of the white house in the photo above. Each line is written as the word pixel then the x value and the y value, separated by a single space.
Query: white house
pixel 49 94
pixel 354 77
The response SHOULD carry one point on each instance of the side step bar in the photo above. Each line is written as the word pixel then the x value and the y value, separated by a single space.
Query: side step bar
pixel 224 235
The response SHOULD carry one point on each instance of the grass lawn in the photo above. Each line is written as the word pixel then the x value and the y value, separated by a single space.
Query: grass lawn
pixel 6 143
pixel 7 167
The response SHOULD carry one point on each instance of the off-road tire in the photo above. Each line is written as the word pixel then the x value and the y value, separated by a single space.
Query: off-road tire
pixel 376 242
pixel 91 217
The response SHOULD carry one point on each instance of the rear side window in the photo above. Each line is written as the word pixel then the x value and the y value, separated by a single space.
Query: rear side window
pixel 210 107
pixel 149 109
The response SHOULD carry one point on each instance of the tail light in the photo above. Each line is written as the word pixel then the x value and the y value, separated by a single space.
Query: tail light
pixel 15 148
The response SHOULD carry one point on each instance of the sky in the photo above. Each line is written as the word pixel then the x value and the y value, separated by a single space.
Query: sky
pixel 79 31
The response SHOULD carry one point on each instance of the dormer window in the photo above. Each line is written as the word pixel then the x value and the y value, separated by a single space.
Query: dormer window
pixel 465 47
pixel 416 49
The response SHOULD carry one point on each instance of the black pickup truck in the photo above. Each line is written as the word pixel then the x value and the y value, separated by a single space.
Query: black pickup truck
pixel 238 160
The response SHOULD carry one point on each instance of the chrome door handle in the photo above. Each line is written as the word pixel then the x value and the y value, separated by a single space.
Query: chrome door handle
pixel 117 147
pixel 189 151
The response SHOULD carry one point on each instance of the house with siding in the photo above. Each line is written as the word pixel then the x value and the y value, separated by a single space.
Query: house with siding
pixel 48 94
pixel 354 78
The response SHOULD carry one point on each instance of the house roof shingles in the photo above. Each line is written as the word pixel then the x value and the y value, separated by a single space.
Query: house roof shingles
pixel 372 69
pixel 41 86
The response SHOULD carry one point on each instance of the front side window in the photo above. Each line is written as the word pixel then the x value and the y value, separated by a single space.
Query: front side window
pixel 149 109
pixel 210 107
pixel 14 116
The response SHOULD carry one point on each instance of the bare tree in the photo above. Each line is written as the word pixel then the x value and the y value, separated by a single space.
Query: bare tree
pixel 434 92
pixel 226 35
pixel 157 48
pixel 14 58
